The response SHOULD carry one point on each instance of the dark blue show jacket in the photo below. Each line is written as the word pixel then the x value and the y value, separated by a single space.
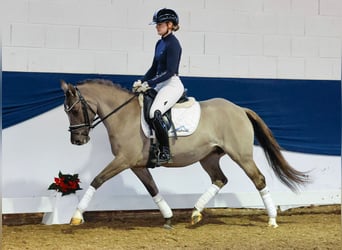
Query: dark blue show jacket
pixel 166 60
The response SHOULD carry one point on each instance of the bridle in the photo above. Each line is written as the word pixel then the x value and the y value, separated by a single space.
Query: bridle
pixel 86 107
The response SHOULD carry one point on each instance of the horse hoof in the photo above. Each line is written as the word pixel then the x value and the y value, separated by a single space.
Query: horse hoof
pixel 76 221
pixel 168 224
pixel 196 217
pixel 272 223
pixel 168 227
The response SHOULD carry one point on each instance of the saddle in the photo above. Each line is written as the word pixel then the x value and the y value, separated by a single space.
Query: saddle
pixel 148 98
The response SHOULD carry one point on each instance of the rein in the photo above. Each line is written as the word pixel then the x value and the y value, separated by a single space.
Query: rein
pixel 85 108
pixel 112 112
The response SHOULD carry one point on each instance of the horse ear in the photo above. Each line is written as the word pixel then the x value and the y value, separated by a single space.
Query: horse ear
pixel 68 88
pixel 64 86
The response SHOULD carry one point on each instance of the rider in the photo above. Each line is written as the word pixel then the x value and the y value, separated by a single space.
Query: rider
pixel 163 76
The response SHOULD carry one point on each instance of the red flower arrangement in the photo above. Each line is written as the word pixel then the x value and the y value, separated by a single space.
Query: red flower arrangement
pixel 66 184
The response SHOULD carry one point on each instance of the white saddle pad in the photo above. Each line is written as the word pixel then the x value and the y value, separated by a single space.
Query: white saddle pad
pixel 185 117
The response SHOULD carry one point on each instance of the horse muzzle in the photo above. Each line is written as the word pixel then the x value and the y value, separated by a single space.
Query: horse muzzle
pixel 80 141
pixel 79 138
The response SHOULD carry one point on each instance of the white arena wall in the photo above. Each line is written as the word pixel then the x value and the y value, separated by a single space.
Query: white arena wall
pixel 285 39
pixel 298 39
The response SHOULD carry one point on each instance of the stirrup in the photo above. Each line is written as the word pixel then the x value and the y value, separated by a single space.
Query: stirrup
pixel 159 161
pixel 162 157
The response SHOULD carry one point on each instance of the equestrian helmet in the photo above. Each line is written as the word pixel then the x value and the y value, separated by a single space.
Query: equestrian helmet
pixel 165 15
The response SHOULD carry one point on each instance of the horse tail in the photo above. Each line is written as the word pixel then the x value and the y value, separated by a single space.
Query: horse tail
pixel 286 174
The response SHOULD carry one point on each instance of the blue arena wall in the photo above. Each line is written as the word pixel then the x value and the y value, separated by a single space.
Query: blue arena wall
pixel 304 115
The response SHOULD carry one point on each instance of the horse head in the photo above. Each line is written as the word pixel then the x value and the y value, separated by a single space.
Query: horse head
pixel 80 114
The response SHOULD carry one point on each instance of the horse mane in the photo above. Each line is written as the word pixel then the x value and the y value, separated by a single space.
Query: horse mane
pixel 103 82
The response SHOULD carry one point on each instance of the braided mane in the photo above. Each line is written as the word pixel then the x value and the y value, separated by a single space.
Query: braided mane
pixel 103 82
pixel 98 81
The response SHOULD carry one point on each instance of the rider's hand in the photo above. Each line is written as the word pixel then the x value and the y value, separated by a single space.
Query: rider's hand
pixel 144 87
pixel 136 85
pixel 140 87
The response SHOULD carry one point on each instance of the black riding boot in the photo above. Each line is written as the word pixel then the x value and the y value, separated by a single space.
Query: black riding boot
pixel 163 138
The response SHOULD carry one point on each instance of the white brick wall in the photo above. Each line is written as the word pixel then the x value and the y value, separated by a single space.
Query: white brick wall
pixel 291 67
pixel 277 6
pixel 290 25
pixel 28 35
pixel 222 38
pixel 303 46
pixel 263 67
pixel 330 47
pixel 305 7
pixel 331 7
pixel 95 38
pixel 248 44
pixel 62 37
pixel 275 45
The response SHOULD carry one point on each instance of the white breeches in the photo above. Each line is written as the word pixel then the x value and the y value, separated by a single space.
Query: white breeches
pixel 168 94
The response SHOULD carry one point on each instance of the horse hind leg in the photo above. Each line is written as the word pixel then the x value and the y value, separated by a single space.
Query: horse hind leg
pixel 211 165
pixel 252 171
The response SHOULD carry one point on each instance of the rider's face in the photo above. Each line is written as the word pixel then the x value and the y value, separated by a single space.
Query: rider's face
pixel 162 28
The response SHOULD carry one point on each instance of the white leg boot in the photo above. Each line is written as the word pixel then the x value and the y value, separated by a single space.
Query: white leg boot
pixel 164 209
pixel 202 202
pixel 77 218
pixel 270 207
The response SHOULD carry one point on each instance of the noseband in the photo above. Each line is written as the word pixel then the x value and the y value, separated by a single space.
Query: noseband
pixel 85 107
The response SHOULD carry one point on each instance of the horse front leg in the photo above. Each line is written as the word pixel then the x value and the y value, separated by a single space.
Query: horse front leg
pixel 146 178
pixel 112 169
pixel 211 164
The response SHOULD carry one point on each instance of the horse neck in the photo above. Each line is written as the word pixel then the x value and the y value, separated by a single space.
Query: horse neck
pixel 109 98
